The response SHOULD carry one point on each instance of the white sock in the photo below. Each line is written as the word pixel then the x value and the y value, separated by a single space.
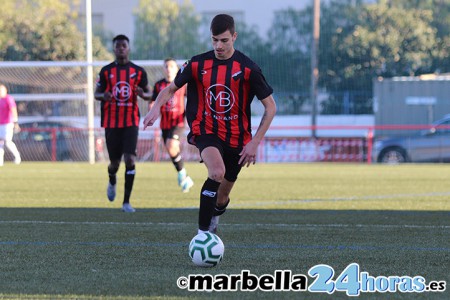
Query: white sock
pixel 12 147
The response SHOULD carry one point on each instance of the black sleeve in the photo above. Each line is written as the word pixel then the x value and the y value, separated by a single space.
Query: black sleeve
pixel 184 75
pixel 101 81
pixel 155 92
pixel 144 81
pixel 259 85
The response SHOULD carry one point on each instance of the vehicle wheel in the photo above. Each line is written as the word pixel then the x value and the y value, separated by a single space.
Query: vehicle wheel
pixel 393 156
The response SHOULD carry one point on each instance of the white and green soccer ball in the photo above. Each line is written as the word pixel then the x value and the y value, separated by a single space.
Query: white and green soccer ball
pixel 206 249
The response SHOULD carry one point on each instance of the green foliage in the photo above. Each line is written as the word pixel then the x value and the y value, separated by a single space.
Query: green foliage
pixel 43 30
pixel 441 22
pixel 395 47
pixel 290 40
pixel 375 40
pixel 362 41
pixel 164 28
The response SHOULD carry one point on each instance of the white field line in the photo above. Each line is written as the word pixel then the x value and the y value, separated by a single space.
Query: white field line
pixel 337 199
pixel 228 224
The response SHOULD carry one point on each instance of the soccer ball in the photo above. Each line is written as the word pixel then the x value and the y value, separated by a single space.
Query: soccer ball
pixel 206 249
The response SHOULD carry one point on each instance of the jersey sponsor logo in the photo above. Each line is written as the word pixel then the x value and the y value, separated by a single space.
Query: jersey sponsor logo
pixel 222 101
pixel 127 104
pixel 133 75
pixel 122 91
pixel 203 72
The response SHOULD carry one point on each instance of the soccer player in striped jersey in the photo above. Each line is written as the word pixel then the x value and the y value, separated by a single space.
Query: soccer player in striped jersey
pixel 118 86
pixel 172 122
pixel 221 84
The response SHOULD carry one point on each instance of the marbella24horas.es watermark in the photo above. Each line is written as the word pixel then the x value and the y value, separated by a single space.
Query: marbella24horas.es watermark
pixel 323 278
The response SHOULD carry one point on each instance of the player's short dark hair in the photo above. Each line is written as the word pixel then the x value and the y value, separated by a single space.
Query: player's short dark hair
pixel 169 59
pixel 222 23
pixel 121 37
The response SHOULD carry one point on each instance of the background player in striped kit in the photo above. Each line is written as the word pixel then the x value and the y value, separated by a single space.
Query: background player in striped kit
pixel 118 86
pixel 221 85
pixel 172 122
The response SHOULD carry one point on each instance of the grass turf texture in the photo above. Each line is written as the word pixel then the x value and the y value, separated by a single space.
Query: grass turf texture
pixel 60 238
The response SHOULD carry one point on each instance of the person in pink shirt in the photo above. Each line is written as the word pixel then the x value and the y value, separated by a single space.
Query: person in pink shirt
pixel 8 123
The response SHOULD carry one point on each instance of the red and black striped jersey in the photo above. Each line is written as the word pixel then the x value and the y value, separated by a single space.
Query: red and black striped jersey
pixel 219 94
pixel 173 112
pixel 121 81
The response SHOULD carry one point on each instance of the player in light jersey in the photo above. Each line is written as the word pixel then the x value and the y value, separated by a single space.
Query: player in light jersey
pixel 8 124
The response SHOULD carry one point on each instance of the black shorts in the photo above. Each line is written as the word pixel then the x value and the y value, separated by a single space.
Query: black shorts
pixel 120 141
pixel 230 155
pixel 175 133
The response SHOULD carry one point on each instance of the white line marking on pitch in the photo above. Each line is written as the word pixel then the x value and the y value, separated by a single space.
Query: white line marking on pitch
pixel 336 199
pixel 230 224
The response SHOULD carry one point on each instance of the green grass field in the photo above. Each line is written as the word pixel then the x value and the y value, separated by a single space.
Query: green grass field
pixel 60 238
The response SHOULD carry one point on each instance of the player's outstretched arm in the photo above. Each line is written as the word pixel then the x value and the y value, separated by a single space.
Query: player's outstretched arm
pixel 164 96
pixel 248 153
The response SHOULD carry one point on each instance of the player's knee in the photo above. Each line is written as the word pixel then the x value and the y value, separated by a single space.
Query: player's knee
pixel 217 174
pixel 130 164
pixel 113 166
pixel 129 160
pixel 173 149
pixel 173 152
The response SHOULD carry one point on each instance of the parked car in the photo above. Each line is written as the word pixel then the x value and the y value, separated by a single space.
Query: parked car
pixel 430 145
pixel 52 141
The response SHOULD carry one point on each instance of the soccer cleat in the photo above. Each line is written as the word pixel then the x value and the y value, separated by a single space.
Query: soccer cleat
pixel 126 207
pixel 181 176
pixel 111 192
pixel 186 184
pixel 214 224
pixel 17 160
